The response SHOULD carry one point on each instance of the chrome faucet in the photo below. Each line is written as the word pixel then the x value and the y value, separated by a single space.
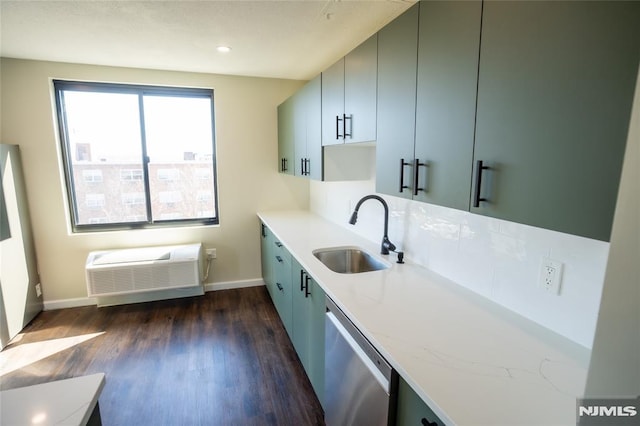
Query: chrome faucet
pixel 386 245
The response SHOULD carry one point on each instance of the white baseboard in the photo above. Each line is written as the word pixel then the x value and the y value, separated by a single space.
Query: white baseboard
pixel 50 305
pixel 233 284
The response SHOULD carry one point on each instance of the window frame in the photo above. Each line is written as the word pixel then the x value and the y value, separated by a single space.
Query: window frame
pixel 59 86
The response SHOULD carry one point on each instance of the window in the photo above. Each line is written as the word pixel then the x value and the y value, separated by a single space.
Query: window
pixel 92 175
pixel 142 156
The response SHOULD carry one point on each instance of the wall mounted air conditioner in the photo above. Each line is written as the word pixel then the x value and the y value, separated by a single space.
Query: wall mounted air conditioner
pixel 135 270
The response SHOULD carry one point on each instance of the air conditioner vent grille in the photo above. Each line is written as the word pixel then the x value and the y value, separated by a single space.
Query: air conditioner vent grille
pixel 180 270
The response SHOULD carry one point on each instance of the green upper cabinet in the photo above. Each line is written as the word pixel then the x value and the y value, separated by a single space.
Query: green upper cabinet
pixel 299 132
pixel 396 103
pixel 349 96
pixel 286 156
pixel 555 90
pixel 427 77
pixel 448 49
pixel 307 130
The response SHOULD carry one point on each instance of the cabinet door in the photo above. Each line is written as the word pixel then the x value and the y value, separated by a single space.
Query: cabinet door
pixel 267 260
pixel 333 104
pixel 301 313
pixel 449 43
pixel 412 411
pixel 397 65
pixel 307 117
pixel 313 100
pixel 555 90
pixel 316 300
pixel 308 325
pixel 360 81
pixel 285 137
pixel 300 130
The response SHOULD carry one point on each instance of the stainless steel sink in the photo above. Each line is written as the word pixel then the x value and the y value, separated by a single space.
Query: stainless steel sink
pixel 349 260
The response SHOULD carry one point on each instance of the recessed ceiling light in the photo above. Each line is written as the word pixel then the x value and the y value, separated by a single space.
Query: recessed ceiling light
pixel 223 49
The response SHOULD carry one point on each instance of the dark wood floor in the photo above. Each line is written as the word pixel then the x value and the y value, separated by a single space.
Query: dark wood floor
pixel 219 359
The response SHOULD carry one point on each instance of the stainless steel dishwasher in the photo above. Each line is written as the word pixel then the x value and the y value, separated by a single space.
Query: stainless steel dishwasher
pixel 360 385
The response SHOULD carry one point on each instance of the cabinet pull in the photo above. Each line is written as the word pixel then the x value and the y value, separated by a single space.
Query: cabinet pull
pixel 426 422
pixel 416 175
pixel 307 293
pixel 279 286
pixel 278 244
pixel 402 164
pixel 346 117
pixel 263 231
pixel 307 163
pixel 478 178
pixel 279 259
pixel 338 120
pixel 283 164
pixel 301 279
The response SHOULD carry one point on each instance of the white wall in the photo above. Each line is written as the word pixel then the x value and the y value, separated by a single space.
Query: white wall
pixel 497 259
pixel 246 137
pixel 614 370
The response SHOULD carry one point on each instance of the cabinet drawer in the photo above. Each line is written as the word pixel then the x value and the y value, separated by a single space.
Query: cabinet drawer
pixel 280 253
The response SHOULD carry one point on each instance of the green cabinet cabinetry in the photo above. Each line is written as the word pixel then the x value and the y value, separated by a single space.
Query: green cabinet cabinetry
pixel 555 89
pixel 515 110
pixel 266 242
pixel 427 76
pixel 397 64
pixel 286 141
pixel 299 132
pixel 349 96
pixel 300 303
pixel 412 411
pixel 308 325
pixel 448 48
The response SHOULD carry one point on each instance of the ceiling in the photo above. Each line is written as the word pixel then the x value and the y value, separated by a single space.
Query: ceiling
pixel 293 39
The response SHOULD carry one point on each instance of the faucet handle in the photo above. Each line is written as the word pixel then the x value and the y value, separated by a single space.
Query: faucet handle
pixel 400 257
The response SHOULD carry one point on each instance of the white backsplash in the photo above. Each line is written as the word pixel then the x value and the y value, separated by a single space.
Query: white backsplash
pixel 498 259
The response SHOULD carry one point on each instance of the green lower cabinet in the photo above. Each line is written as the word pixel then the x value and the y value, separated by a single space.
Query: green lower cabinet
pixel 266 241
pixel 308 312
pixel 412 411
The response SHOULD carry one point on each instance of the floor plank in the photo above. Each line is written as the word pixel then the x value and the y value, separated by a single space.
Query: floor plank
pixel 219 359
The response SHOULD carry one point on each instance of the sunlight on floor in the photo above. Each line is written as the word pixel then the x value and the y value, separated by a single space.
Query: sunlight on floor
pixel 20 356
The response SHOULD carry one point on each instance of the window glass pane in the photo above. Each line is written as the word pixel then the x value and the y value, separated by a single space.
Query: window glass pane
pixel 105 152
pixel 179 141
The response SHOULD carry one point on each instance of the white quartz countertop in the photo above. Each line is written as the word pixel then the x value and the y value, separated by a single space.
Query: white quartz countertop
pixel 67 402
pixel 472 361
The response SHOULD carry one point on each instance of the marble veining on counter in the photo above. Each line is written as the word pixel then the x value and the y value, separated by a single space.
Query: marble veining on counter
pixel 472 361
pixel 67 402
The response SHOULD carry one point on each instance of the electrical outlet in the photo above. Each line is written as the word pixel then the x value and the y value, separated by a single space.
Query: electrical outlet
pixel 38 290
pixel 211 253
pixel 550 275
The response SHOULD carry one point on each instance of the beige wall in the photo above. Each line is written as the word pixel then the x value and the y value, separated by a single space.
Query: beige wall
pixel 246 137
